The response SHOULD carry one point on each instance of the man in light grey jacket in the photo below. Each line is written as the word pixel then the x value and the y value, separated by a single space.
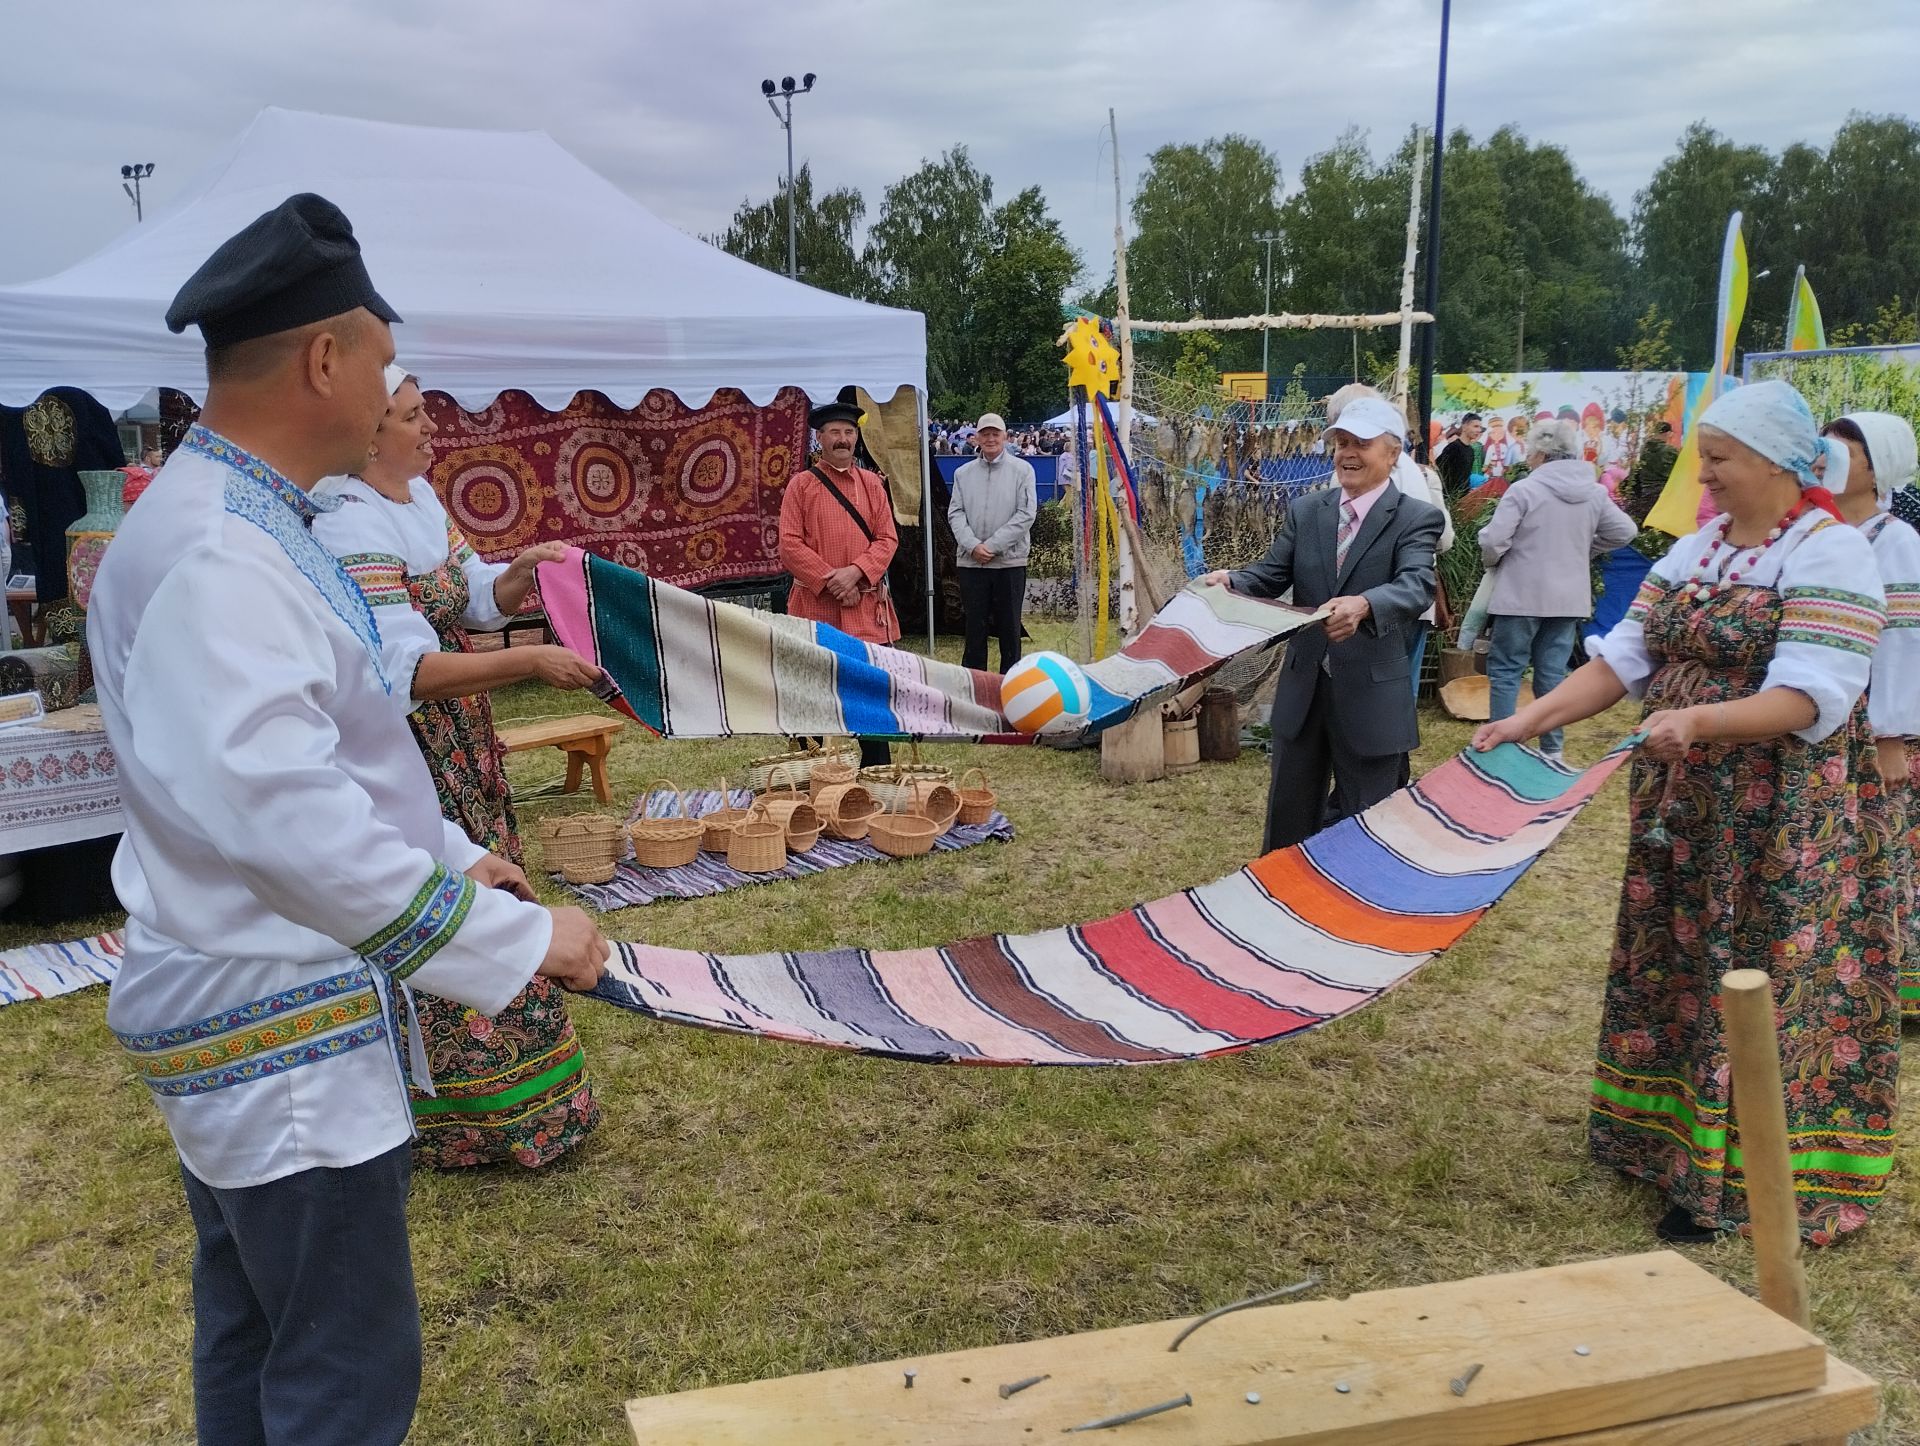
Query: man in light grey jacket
pixel 1541 543
pixel 991 512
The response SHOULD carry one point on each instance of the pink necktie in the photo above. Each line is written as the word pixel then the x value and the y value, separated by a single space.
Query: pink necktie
pixel 1343 539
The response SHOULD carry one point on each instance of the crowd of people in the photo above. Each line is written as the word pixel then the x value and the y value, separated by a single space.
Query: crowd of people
pixel 335 968
pixel 960 439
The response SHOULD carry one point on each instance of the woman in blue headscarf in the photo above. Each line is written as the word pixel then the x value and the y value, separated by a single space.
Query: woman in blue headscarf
pixel 1750 643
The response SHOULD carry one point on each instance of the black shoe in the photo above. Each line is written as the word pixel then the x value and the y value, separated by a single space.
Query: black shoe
pixel 1678 1227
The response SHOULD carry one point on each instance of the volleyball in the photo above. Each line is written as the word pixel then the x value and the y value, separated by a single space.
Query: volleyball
pixel 1045 693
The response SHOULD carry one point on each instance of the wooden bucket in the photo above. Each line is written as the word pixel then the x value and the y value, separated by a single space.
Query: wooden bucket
pixel 1219 726
pixel 1182 739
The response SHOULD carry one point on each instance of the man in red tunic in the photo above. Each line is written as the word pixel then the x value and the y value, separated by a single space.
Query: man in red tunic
pixel 837 538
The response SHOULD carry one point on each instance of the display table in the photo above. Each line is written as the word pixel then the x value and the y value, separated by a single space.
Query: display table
pixel 59 782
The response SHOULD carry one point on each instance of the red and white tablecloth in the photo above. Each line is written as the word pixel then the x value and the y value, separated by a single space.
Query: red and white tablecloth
pixel 59 781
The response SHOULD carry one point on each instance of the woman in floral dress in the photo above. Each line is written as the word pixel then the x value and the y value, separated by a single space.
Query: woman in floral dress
pixel 512 1086
pixel 1881 456
pixel 1750 643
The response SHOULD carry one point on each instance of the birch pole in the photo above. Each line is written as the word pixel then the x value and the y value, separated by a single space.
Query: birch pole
pixel 1123 420
pixel 1406 277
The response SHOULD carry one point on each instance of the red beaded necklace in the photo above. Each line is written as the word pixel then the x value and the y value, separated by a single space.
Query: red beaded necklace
pixel 1699 589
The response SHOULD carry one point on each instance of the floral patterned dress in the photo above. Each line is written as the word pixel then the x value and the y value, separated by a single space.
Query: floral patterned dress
pixel 511 1086
pixel 1752 855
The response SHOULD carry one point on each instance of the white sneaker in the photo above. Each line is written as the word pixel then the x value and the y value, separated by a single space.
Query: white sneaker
pixel 1555 755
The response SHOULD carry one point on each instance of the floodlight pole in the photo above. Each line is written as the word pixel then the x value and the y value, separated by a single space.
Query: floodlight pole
pixel 1431 290
pixel 788 90
pixel 130 178
pixel 1266 335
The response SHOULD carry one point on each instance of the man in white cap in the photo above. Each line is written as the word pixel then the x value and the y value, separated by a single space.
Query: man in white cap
pixel 1343 710
pixel 991 512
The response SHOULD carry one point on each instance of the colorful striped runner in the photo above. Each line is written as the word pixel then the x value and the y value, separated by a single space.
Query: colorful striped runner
pixel 1301 936
pixel 709 874
pixel 41 971
pixel 688 667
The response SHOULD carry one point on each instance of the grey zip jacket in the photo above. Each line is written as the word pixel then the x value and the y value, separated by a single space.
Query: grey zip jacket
pixel 993 503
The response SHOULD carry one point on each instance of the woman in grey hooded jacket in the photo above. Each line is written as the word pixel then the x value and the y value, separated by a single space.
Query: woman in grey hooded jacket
pixel 1542 540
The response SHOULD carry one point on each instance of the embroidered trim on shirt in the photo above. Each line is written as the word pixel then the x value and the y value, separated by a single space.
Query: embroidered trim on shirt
pixel 303 1025
pixel 432 917
pixel 1652 589
pixel 251 493
pixel 1831 617
pixel 381 576
pixel 1903 604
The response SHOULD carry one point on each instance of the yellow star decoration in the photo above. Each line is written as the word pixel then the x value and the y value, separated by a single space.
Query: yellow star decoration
pixel 1091 360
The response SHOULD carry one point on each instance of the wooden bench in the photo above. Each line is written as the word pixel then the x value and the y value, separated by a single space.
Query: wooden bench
pixel 586 738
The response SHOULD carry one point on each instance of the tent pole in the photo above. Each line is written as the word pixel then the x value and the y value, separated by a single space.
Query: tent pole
pixel 926 506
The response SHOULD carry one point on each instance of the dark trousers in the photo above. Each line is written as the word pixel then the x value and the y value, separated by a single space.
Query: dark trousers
pixel 306 1328
pixel 1298 802
pixel 993 598
pixel 874 752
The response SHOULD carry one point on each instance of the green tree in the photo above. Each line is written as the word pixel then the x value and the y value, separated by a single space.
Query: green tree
pixel 925 251
pixel 1016 316
pixel 1195 214
pixel 823 235
pixel 1679 221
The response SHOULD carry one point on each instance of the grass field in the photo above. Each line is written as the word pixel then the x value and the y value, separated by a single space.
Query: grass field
pixel 751 1208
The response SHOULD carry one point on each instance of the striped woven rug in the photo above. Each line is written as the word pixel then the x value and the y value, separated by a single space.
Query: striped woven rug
pixel 40 971
pixel 1296 938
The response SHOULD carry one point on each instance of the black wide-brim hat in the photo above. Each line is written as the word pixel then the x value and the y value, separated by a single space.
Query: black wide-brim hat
pixel 843 408
pixel 297 263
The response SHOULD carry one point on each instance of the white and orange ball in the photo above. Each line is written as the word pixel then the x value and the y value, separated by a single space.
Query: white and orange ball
pixel 1045 693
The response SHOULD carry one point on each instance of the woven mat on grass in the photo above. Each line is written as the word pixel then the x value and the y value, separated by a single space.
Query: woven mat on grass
pixel 709 874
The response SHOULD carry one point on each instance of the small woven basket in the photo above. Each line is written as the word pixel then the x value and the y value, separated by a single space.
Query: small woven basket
pixel 666 843
pixel 827 772
pixel 846 810
pixel 758 844
pixel 937 801
pixel 583 848
pixel 716 825
pixel 885 780
pixel 902 835
pixel 977 802
pixel 797 761
pixel 784 795
pixel 803 828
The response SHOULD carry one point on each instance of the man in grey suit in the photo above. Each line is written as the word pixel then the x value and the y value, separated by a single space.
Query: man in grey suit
pixel 1343 706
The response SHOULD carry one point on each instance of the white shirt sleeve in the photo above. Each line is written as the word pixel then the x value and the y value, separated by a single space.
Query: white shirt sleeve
pixel 1832 612
pixel 234 730
pixel 1893 693
pixel 1624 648
pixel 361 535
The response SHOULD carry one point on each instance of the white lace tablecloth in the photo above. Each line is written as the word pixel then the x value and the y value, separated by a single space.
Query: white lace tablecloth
pixel 59 781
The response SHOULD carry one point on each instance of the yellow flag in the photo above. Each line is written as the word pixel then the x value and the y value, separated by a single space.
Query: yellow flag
pixel 1805 332
pixel 1678 510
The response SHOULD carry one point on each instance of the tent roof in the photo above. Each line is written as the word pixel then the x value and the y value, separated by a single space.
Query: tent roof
pixel 514 265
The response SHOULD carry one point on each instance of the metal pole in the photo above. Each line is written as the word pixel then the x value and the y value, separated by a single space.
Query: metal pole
pixel 1266 333
pixel 139 211
pixel 925 409
pixel 793 253
pixel 1431 291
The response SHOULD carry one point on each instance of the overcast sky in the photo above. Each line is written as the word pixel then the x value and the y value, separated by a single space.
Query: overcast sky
pixel 663 99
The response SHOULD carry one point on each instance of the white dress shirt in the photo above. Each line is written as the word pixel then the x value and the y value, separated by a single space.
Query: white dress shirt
pixel 286 871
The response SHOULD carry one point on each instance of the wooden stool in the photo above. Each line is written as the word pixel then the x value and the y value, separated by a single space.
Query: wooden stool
pixel 586 738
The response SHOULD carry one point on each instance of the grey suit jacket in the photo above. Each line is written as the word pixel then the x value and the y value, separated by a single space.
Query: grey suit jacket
pixel 1390 563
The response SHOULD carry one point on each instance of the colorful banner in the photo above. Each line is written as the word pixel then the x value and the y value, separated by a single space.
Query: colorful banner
pixel 690 496
pixel 1805 331
pixel 1678 510
pixel 1611 409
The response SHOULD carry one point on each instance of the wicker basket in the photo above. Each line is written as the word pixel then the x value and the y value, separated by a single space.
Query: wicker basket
pixel 758 845
pixel 976 803
pixel 827 772
pixel 885 780
pixel 799 762
pixel 903 835
pixel 803 828
pixel 584 848
pixel 846 810
pixel 937 801
pixel 666 843
pixel 716 825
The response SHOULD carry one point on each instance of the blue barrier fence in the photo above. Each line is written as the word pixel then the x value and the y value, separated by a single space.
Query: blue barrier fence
pixel 1046 481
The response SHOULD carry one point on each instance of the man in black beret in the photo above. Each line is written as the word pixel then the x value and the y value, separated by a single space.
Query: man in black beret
pixel 287 874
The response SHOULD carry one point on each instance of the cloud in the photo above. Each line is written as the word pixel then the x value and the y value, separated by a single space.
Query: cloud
pixel 664 99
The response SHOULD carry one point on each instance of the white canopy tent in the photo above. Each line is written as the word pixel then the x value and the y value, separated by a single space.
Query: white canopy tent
pixel 513 264
pixel 1065 419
